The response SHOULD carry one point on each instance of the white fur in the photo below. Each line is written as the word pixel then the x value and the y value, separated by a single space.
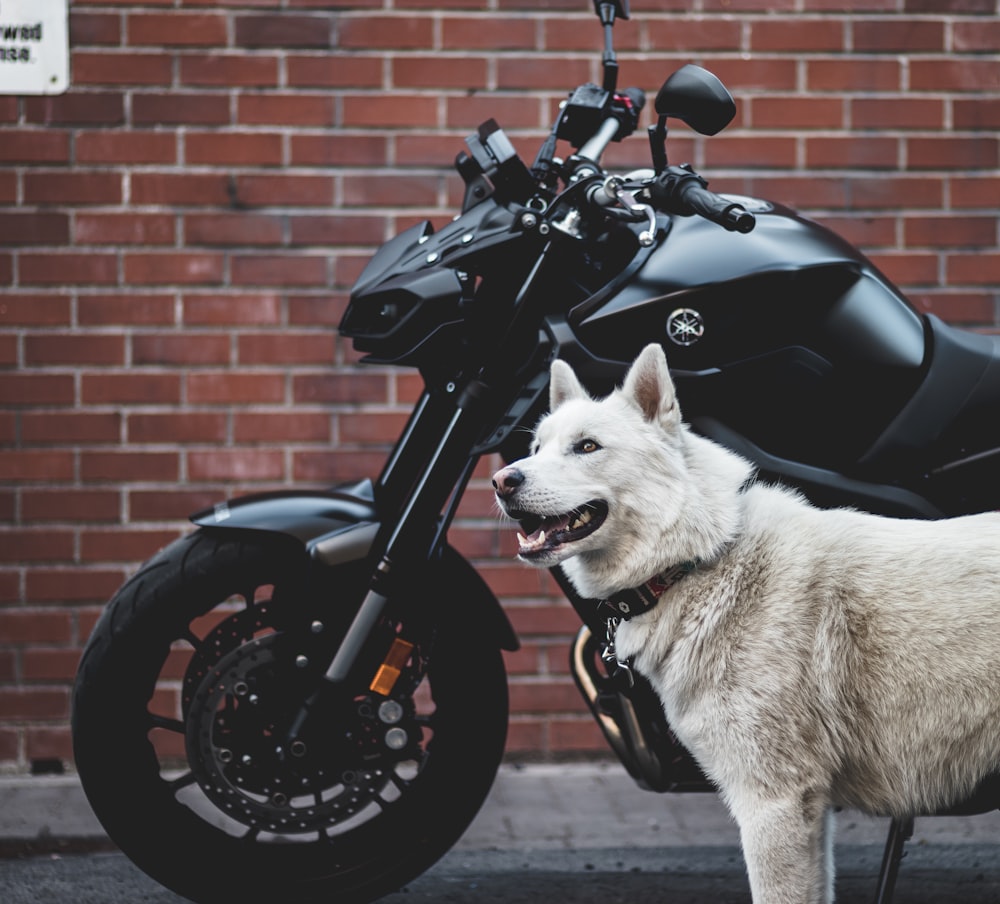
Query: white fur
pixel 814 659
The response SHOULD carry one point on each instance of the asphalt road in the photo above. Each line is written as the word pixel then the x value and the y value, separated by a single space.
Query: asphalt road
pixel 931 874
pixel 576 834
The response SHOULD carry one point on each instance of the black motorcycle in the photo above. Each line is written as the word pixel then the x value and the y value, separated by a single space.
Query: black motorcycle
pixel 305 700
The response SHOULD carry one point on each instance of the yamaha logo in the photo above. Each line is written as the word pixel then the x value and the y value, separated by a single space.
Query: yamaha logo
pixel 685 326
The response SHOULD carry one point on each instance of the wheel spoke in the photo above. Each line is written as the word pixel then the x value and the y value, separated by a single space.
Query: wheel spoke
pixel 182 781
pixel 167 724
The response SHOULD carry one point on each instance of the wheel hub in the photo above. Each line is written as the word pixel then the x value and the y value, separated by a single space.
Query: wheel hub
pixel 348 759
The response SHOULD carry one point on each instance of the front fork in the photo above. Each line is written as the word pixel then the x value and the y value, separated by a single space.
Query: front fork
pixel 413 498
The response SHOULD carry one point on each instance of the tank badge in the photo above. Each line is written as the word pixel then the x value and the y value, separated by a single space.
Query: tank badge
pixel 685 326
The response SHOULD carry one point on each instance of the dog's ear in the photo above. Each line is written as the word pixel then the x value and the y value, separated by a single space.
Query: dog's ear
pixel 649 386
pixel 563 385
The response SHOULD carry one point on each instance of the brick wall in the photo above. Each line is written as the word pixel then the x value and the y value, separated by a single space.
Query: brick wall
pixel 179 232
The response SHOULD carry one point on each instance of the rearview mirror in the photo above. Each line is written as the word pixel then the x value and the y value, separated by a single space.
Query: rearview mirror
pixel 697 97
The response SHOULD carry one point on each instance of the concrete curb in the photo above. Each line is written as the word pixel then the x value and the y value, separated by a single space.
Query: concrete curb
pixel 535 806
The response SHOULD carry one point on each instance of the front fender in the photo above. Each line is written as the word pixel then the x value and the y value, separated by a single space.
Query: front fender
pixel 338 526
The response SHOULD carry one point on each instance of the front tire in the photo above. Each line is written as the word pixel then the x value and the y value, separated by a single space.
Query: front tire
pixel 187 686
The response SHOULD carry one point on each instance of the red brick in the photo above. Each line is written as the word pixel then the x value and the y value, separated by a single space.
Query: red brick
pixel 979 35
pixel 36 546
pixel 879 193
pixel 96 108
pixel 176 29
pixel 236 464
pixel 950 153
pixel 973 269
pixel 339 150
pixel 970 191
pixel 950 231
pixel 20 228
pixel 225 70
pixel 281 426
pixel 777 151
pixel 34 146
pixel 169 427
pixel 63 269
pixel 953 75
pixel 540 74
pixel 36 465
pixel 123 229
pixel 279 190
pixel 126 147
pixel 71 585
pixel 324 310
pixel 180 108
pixel 783 112
pixel 36 389
pixel 123 545
pixel 131 388
pixel 35 626
pixel 854 74
pixel 898 35
pixel 285 109
pixel 675 34
pixel 897 113
pixel 180 349
pixel 392 191
pixel 334 71
pixel 129 466
pixel 233 229
pixel 131 308
pixel 180 188
pixel 169 505
pixel 286 348
pixel 70 427
pixel 72 188
pixel 798 34
pixel 279 270
pixel 347 229
pixel 49 743
pixel 907 268
pixel 545 696
pixel 391 32
pixel 484 33
pixel 93 28
pixel 173 268
pixel 50 664
pixel 976 114
pixel 853 153
pixel 26 704
pixel 510 112
pixel 390 110
pixel 233 387
pixel 334 467
pixel 121 68
pixel 68 504
pixel 284 30
pixel 777 74
pixel 259 309
pixel 34 310
pixel 238 148
pixel 371 427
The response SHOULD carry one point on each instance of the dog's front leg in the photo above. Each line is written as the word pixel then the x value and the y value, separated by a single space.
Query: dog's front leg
pixel 788 847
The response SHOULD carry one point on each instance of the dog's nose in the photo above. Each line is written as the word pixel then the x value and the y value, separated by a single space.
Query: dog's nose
pixel 507 480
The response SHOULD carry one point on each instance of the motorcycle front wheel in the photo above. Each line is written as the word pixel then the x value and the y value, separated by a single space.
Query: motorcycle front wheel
pixel 181 710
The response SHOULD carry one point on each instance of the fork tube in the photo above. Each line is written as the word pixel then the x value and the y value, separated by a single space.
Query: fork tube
pixel 405 543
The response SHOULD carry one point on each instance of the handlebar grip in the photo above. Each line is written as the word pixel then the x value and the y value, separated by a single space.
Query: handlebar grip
pixel 728 214
pixel 636 97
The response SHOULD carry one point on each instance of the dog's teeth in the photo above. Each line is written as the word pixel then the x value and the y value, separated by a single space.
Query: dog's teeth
pixel 541 538
pixel 522 540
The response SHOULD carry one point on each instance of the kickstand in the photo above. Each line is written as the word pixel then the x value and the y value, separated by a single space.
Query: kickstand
pixel 900 830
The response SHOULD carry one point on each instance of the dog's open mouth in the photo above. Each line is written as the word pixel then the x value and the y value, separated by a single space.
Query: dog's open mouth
pixel 544 534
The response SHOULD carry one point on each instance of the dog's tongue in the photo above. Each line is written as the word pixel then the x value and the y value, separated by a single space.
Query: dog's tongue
pixel 541 538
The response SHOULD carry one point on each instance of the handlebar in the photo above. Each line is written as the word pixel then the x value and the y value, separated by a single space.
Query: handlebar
pixel 680 190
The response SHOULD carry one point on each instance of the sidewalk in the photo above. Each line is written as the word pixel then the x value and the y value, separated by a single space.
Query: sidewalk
pixel 538 807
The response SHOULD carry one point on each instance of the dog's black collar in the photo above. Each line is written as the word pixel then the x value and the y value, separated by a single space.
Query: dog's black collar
pixel 635 601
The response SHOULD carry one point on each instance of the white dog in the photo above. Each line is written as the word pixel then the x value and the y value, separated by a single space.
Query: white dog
pixel 808 659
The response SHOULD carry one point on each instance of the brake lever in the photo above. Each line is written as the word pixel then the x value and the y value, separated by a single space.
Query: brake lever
pixel 616 189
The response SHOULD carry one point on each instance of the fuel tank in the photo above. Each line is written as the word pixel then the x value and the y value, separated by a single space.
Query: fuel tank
pixel 789 335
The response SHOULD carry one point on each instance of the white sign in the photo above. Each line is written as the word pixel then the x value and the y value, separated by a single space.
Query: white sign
pixel 34 47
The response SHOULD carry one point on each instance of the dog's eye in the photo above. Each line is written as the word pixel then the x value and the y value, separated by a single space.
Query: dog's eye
pixel 586 446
